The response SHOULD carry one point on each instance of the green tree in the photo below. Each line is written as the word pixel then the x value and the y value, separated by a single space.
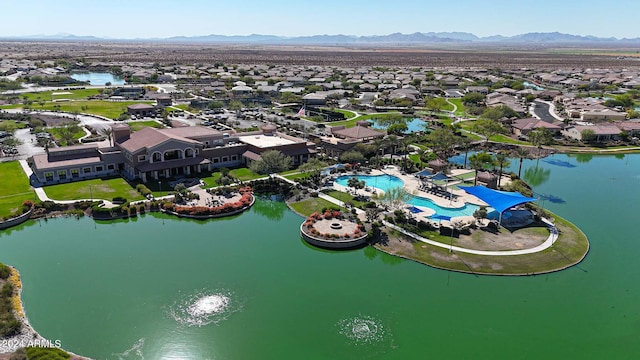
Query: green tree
pixel 436 104
pixel 352 157
pixel 587 135
pixel 539 137
pixel 488 128
pixel 395 198
pixel 235 105
pixel 397 129
pixel 271 161
pixel 108 132
pixel 473 99
pixel 355 183
pixel 480 161
pixel 502 160
pixel 312 166
pixel 443 142
pixel 289 97
pixel 521 153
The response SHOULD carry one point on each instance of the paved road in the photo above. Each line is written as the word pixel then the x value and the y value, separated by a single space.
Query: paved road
pixel 542 110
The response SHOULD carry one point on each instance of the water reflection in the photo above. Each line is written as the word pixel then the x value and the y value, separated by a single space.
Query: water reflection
pixel 272 210
pixel 583 158
pixel 536 176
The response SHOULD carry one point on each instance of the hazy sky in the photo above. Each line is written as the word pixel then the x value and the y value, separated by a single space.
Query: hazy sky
pixel 166 18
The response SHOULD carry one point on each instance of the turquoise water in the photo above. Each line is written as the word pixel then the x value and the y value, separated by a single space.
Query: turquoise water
pixel 382 182
pixel 414 125
pixel 95 78
pixel 385 182
pixel 125 290
pixel 466 210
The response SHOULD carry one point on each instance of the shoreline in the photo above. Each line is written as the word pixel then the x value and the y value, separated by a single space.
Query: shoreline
pixel 397 251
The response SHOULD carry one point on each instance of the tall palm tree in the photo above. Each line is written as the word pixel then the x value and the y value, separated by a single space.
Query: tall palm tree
pixel 502 160
pixel 108 132
pixel 521 153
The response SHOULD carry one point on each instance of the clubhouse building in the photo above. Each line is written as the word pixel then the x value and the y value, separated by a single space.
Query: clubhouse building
pixel 151 154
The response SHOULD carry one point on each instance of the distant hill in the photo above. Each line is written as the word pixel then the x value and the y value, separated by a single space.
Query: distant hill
pixel 395 38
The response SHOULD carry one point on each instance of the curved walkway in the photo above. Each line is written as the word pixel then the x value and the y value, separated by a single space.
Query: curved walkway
pixel 553 236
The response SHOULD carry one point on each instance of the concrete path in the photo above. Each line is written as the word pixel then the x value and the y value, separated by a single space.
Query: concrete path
pixel 553 236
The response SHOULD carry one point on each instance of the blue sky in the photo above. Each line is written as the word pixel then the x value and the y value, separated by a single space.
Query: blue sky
pixel 166 18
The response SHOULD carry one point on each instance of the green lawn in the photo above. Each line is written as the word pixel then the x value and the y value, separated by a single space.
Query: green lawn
pixel 245 174
pixel 311 205
pixel 95 188
pixel 14 187
pixel 11 125
pixel 78 94
pixel 297 176
pixel 56 133
pixel 507 140
pixel 344 197
pixel 139 125
pixel 460 110
pixel 186 107
pixel 110 109
pixel 348 114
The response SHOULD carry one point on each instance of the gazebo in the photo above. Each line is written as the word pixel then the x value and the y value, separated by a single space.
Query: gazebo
pixel 437 165
pixel 499 200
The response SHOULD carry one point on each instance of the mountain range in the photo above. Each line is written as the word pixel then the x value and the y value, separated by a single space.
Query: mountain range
pixel 390 39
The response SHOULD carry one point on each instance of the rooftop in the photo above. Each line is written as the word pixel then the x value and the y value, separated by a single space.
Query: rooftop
pixel 264 141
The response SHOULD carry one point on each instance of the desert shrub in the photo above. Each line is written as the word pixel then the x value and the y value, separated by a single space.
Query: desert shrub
pixel 5 271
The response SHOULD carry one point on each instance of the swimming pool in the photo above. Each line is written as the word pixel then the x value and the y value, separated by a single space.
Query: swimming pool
pixel 382 182
pixel 385 182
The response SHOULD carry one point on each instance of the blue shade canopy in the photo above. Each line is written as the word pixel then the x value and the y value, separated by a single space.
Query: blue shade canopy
pixel 414 210
pixel 499 200
pixel 425 173
pixel 440 176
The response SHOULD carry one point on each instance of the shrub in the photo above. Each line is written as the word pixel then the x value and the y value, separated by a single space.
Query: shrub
pixel 119 200
pixel 5 271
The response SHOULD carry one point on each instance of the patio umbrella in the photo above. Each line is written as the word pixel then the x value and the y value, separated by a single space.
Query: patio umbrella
pixel 414 210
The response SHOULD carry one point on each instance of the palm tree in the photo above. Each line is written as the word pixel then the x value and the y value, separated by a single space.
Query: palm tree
pixel 108 132
pixel 502 160
pixel 521 153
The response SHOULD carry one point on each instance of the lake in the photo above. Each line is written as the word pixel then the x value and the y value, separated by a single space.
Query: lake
pixel 249 287
pixel 98 78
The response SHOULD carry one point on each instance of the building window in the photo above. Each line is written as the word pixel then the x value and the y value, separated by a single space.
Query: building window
pixel 142 158
pixel 111 167
pixel 99 168
pixel 62 174
pixel 48 176
pixel 86 170
pixel 234 157
pixel 216 160
pixel 75 173
pixel 225 158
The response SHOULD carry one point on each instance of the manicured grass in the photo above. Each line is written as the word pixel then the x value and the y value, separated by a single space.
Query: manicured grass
pixel 186 107
pixel 344 197
pixel 11 125
pixel 348 114
pixel 56 133
pixel 139 125
pixel 449 107
pixel 460 109
pixel 211 180
pixel 297 176
pixel 244 174
pixel 110 109
pixel 311 205
pixel 508 140
pixel 95 188
pixel 352 122
pixel 14 187
pixel 78 94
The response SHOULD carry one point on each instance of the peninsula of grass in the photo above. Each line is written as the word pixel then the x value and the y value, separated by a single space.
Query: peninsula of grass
pixel 105 189
pixel 57 133
pixel 14 188
pixel 139 125
pixel 309 206
pixel 570 248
